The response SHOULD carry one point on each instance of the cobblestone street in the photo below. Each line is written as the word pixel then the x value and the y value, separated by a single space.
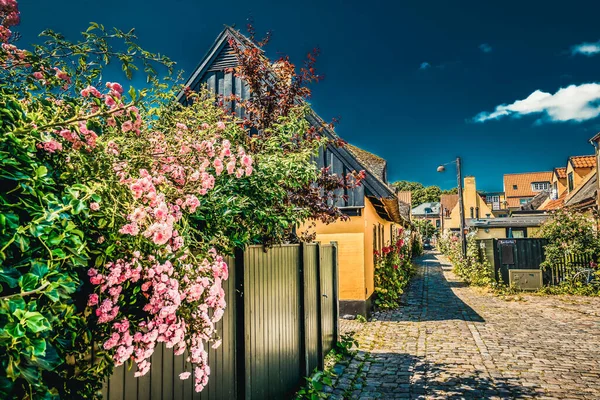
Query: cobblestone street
pixel 452 341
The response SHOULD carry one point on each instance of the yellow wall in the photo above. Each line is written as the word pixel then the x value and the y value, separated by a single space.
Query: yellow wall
pixel 355 250
pixel 578 175
pixel 500 233
pixel 372 219
pixel 471 199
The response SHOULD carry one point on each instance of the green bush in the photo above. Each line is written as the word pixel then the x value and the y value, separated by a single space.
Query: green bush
pixel 393 268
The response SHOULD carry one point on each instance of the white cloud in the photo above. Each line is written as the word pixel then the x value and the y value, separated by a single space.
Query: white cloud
pixel 425 65
pixel 486 48
pixel 573 103
pixel 587 49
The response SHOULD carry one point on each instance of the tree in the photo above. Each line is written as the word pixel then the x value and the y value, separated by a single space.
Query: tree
pixel 425 228
pixel 421 194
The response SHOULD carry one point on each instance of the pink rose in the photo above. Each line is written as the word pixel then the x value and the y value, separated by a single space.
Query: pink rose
pixel 93 300
pixel 94 206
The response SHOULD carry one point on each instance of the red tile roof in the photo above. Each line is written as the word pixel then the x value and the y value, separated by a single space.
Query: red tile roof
pixel 561 172
pixel 555 204
pixel 519 185
pixel 583 161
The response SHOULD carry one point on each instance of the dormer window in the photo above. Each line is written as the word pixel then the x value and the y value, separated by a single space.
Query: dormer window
pixel 515 187
pixel 540 186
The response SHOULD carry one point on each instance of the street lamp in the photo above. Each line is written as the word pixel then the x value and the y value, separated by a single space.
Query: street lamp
pixel 461 206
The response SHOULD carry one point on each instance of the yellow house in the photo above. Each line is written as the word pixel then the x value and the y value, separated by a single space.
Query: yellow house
pixel 373 222
pixel 578 167
pixel 475 206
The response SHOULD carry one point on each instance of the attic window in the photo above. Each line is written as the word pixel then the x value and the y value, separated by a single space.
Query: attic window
pixel 515 187
pixel 539 186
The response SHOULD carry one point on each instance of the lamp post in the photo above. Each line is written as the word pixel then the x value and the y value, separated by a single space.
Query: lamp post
pixel 461 205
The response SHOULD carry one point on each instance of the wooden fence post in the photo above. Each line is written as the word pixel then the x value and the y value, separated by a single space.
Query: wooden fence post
pixel 304 317
pixel 239 325
pixel 319 311
pixel 336 300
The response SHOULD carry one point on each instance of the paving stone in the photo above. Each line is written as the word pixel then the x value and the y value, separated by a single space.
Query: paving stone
pixel 449 340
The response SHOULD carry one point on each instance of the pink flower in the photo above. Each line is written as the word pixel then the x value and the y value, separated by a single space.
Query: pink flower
pixel 92 300
pixel 179 125
pixel 62 75
pixel 221 125
pixel 38 75
pixel 231 167
pixel 127 126
pixel 94 206
pixel 130 229
pixel 246 160
pixel 109 101
pixel 115 86
pixel 218 163
pixel 204 126
pixel 51 146
pixel 184 375
pixel 248 171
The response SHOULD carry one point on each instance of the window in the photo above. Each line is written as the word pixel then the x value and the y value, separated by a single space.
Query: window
pixel 570 178
pixel 515 187
pixel 539 186
pixel 524 201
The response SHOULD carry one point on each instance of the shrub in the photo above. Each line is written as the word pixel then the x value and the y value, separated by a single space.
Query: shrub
pixel 393 268
pixel 473 269
pixel 570 234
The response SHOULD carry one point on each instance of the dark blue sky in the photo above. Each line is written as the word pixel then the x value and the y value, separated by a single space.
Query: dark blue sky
pixel 406 78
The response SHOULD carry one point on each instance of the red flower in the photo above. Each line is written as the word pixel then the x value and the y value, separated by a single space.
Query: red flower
pixel 395 267
pixel 386 250
pixel 376 253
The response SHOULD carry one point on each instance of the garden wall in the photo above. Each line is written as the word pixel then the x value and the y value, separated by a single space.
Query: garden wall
pixel 281 320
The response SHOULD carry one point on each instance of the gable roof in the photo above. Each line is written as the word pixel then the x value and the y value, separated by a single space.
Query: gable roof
pixel 561 172
pixel 374 163
pixel 448 201
pixel 585 194
pixel 583 161
pixel 221 56
pixel 523 182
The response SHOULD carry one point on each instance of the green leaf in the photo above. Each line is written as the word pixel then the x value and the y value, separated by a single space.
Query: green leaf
pixel 28 282
pixel 50 360
pixel 36 322
pixel 10 276
pixel 59 253
pixel 41 171
pixel 15 329
pixel 39 269
pixel 37 347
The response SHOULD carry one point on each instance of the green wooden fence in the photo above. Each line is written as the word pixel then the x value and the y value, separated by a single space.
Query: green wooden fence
pixel 281 320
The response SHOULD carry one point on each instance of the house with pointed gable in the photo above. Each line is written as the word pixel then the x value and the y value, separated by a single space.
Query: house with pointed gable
pixel 374 211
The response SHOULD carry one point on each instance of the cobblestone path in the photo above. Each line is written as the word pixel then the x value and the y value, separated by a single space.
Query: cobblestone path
pixel 452 341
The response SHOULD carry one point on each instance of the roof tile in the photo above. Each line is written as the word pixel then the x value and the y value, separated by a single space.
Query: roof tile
pixel 519 185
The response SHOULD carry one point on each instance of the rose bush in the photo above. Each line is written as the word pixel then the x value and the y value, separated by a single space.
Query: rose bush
pixel 393 268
